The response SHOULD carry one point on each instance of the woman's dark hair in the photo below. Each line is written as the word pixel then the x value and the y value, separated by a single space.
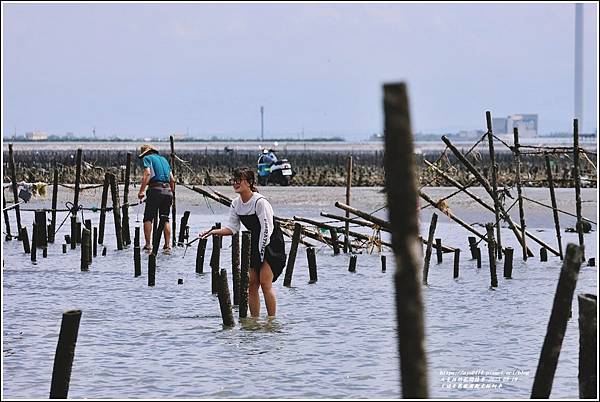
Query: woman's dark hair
pixel 248 175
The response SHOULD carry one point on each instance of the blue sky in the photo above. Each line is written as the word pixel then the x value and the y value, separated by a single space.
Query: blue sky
pixel 157 69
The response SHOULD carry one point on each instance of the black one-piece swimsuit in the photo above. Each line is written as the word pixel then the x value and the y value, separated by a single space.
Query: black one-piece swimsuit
pixel 274 251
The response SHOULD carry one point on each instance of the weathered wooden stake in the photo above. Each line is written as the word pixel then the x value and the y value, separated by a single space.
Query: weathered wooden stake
pixel 173 205
pixel 478 256
pixel 472 246
pixel 225 300
pixel 125 222
pixel 508 262
pixel 74 232
pixel 554 206
pixel 151 269
pixel 33 245
pixel 159 231
pixel 116 210
pixel 492 254
pixel 456 262
pixel 401 181
pixel 383 263
pixel 51 232
pixel 65 352
pixel 102 222
pixel 543 255
pixel 77 182
pixel 235 267
pixel 6 221
pixel 215 260
pixel 200 255
pixel 64 248
pixel 348 187
pixel 84 250
pixel 40 224
pixel 576 174
pixel 88 225
pixel 312 264
pixel 13 177
pixel 588 344
pixel 182 226
pixel 334 241
pixel 352 266
pixel 244 278
pixel 494 167
pixel 95 242
pixel 438 250
pixel 544 376
pixel 289 269
pixel 519 192
pixel 25 239
pixel 427 258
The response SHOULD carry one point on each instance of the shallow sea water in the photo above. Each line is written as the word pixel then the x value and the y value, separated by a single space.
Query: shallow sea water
pixel 332 339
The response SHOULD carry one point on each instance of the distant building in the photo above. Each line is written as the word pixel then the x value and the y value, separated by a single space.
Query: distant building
pixel 36 136
pixel 527 124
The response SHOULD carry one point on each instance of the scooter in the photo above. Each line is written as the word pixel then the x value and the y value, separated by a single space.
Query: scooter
pixel 274 170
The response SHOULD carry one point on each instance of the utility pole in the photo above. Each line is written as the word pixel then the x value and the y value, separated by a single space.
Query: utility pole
pixel 262 124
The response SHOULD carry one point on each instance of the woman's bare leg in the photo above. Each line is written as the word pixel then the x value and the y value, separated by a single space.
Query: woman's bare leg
pixel 253 298
pixel 266 283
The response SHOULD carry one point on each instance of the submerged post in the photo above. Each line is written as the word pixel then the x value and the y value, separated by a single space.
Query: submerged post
pixel 492 254
pixel 554 207
pixel 427 259
pixel 244 278
pixel 588 343
pixel 348 187
pixel 52 234
pixel 517 152
pixel 65 352
pixel 577 178
pixel 116 211
pixel 13 177
pixel 561 308
pixel 103 203
pixel 235 267
pixel 225 300
pixel 184 221
pixel 312 265
pixel 289 269
pixel 173 207
pixel 200 255
pixel 402 200
pixel 125 224
pixel 77 182
pixel 494 167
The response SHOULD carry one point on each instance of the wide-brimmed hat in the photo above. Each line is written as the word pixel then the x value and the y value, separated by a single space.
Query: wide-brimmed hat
pixel 145 150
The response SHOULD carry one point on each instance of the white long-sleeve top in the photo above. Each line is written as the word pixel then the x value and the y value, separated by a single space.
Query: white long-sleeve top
pixel 263 210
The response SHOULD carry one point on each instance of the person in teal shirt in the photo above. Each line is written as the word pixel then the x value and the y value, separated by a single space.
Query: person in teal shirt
pixel 158 179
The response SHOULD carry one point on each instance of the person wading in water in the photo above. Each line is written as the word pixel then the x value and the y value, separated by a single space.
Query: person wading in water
pixel 267 246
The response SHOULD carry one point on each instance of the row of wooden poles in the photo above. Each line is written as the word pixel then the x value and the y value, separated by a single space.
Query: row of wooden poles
pixel 403 226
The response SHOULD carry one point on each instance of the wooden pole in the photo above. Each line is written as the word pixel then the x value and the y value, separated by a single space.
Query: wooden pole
pixel 348 187
pixel 517 150
pixel 492 254
pixel 25 239
pixel 125 224
pixel 561 308
pixel 74 234
pixel 427 259
pixel 456 262
pixel 508 262
pixel 312 265
pixel 84 250
pixel 383 263
pixel 173 205
pixel 152 269
pixel 77 182
pixel 33 243
pixel 334 240
pixel 184 222
pixel 6 222
pixel 289 269
pixel 65 352
pixel 225 300
pixel 450 215
pixel 52 234
pixel 588 344
pixel 401 181
pixel 235 267
pixel 576 174
pixel 438 250
pixel 95 242
pixel 494 167
pixel 102 222
pixel 200 255
pixel 244 278
pixel 116 210
pixel 352 266
pixel 88 226
pixel 40 222
pixel 554 206
pixel 13 176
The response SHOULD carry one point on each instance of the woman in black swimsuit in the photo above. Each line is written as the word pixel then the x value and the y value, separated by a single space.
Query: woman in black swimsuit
pixel 268 248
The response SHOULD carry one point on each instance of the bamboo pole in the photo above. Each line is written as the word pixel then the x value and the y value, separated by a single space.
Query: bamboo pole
pixel 400 168
pixel 553 200
pixel 13 176
pixel 557 325
pixel 348 187
pixel 490 135
pixel 517 151
pixel 577 178
pixel 173 205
